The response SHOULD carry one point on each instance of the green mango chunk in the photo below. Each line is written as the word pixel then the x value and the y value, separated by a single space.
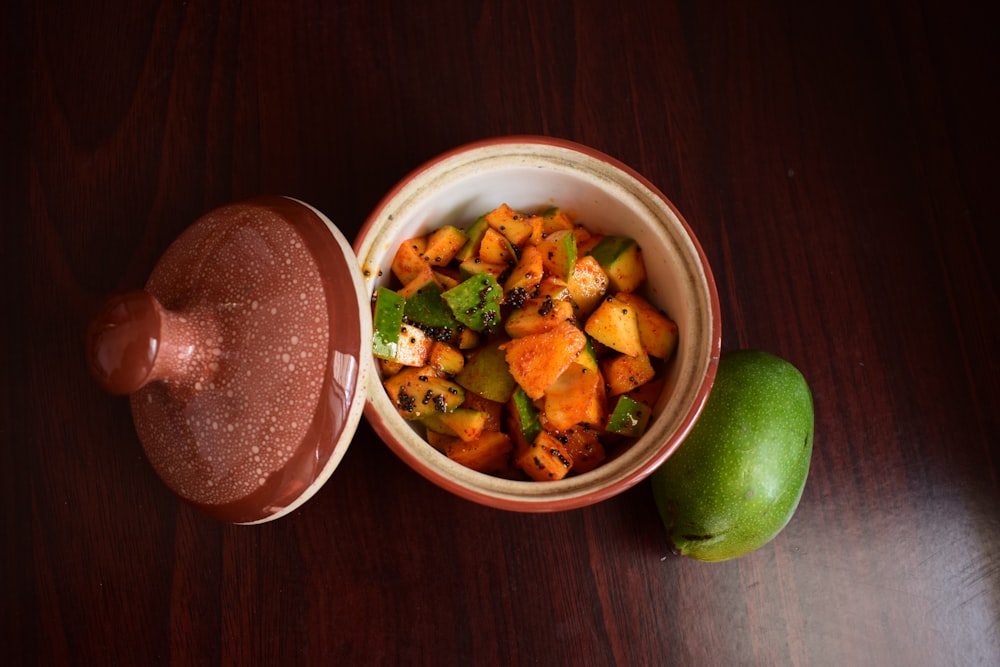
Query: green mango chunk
pixel 388 320
pixel 525 415
pixel 486 373
pixel 629 417
pixel 621 259
pixel 475 302
pixel 427 308
pixel 474 236
pixel 559 253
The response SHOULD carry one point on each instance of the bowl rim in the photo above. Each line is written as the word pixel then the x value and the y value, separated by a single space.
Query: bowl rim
pixel 546 503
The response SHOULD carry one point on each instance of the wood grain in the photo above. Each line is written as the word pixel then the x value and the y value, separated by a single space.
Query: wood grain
pixel 838 163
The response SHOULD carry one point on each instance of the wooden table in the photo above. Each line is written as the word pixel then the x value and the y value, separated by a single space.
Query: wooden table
pixel 837 160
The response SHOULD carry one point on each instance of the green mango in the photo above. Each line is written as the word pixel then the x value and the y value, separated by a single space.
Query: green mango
pixel 476 302
pixel 629 417
pixel 388 319
pixel 427 308
pixel 736 480
pixel 525 415
pixel 621 259
pixel 486 373
pixel 474 237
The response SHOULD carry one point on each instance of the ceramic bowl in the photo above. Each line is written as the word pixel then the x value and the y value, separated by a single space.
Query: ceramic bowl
pixel 532 174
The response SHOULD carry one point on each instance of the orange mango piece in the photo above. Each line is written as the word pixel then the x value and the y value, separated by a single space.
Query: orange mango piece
pixel 538 360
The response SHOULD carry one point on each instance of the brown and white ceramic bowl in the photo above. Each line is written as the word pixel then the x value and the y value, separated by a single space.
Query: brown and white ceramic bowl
pixel 247 356
pixel 532 174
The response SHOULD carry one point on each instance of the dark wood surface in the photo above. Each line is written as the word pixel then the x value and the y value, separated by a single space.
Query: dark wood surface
pixel 838 161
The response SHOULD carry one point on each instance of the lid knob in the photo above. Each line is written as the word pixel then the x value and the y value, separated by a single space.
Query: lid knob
pixel 123 340
pixel 134 340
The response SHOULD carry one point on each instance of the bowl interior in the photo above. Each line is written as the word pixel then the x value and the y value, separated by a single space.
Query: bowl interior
pixel 606 197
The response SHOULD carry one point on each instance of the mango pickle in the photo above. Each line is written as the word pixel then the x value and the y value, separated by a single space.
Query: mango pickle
pixel 522 345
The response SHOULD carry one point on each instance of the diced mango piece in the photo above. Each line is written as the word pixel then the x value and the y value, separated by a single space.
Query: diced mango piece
pixel 648 393
pixel 576 397
pixel 474 236
pixel 558 253
pixel 536 361
pixel 463 423
pixel 475 266
pixel 588 357
pixel 537 223
pixel 416 392
pixel 585 240
pixel 467 339
pixel 440 441
pixel 623 373
pixel 629 417
pixel 447 278
pixel 554 220
pixel 615 324
pixel 537 315
pixel 442 244
pixel 584 447
pixel 587 285
pixel 409 259
pixel 522 421
pixel 510 223
pixel 493 409
pixel 388 318
pixel 425 308
pixel 475 302
pixel 657 332
pixel 489 453
pixel 446 358
pixel 389 367
pixel 425 276
pixel 526 275
pixel 621 259
pixel 554 288
pixel 496 249
pixel 545 459
pixel 413 347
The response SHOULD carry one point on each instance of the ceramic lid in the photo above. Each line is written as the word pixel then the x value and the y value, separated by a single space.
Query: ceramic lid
pixel 242 358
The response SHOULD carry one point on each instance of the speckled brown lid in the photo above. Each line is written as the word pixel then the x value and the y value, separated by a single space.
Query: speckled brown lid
pixel 242 358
